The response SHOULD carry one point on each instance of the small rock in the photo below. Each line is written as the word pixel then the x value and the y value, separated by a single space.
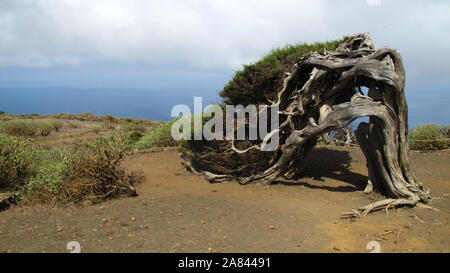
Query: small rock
pixel 104 220
pixel 272 227
pixel 132 218
pixel 336 248
pixel 180 214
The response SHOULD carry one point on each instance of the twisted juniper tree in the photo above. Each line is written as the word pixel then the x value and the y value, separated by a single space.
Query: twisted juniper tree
pixel 319 93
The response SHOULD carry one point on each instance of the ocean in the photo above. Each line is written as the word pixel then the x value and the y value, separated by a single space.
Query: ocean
pixel 156 104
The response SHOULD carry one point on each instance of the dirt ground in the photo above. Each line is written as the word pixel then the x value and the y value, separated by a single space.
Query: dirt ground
pixel 179 212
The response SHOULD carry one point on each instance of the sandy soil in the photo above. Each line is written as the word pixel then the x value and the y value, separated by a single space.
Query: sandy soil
pixel 179 212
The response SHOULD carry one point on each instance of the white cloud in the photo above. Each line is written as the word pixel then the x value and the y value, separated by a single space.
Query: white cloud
pixel 373 2
pixel 207 34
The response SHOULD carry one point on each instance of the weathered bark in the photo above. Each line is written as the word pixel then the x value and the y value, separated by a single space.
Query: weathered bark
pixel 329 99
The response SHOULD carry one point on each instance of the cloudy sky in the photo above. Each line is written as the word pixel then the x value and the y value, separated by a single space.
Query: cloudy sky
pixel 150 42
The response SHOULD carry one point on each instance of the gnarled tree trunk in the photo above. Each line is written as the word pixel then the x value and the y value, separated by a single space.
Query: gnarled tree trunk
pixel 323 93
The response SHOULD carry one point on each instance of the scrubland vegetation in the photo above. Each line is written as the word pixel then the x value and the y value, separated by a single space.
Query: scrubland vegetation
pixel 39 172
pixel 42 173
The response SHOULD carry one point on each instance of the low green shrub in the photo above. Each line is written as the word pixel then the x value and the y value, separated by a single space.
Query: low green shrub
pixel 19 128
pixel 134 137
pixel 16 157
pixel 90 171
pixel 57 124
pixel 109 125
pixel 429 137
pixel 160 137
pixel 45 185
pixel 110 118
pixel 73 124
pixel 29 128
pixel 131 126
pixel 44 128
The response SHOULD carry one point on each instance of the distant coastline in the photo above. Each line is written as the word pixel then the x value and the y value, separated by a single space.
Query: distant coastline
pixel 140 103
pixel 156 105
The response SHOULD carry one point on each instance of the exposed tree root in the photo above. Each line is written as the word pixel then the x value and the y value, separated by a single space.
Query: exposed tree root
pixel 382 204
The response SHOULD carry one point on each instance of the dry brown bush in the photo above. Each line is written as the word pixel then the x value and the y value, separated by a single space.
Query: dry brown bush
pixel 95 173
